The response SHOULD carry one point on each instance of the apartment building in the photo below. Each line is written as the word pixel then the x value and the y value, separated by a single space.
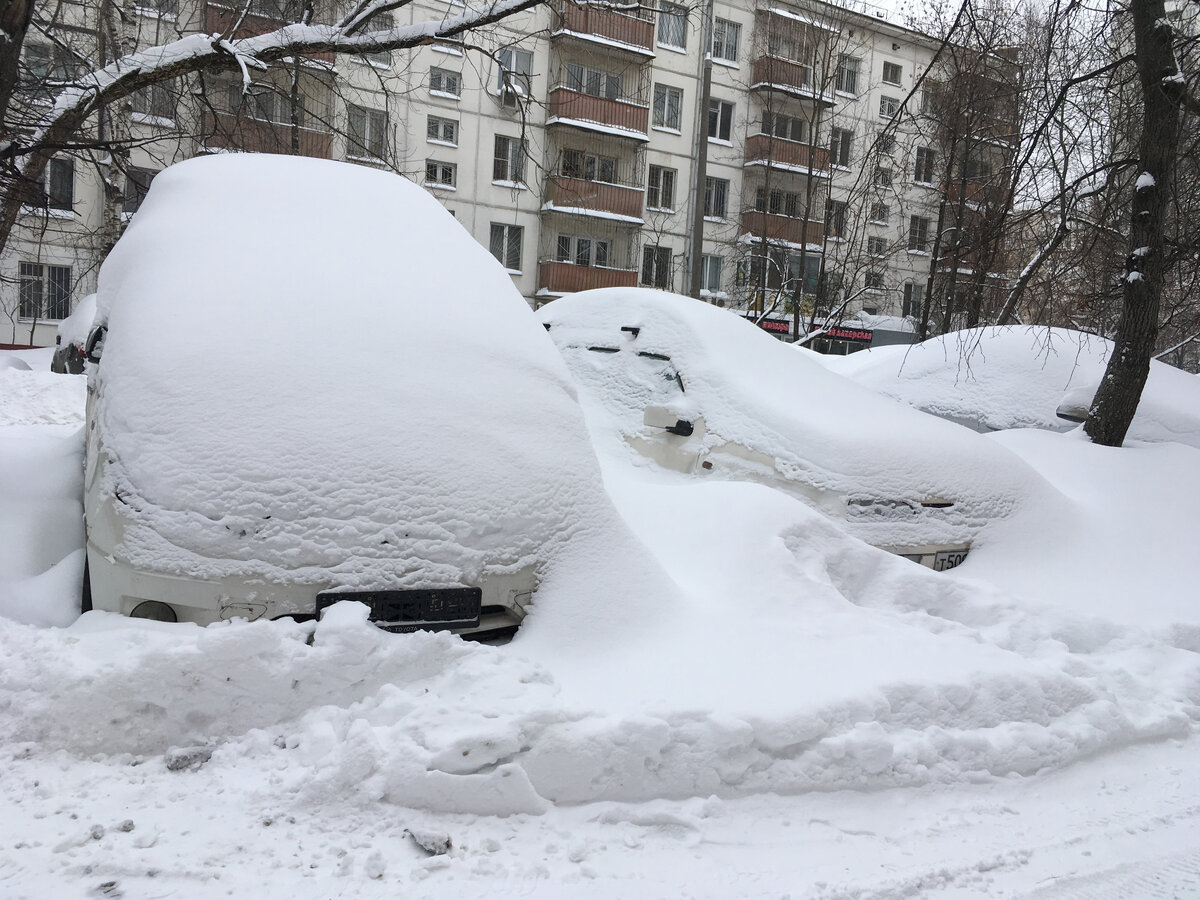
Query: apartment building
pixel 568 146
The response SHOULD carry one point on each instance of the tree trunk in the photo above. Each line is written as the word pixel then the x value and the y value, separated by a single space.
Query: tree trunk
pixel 1117 398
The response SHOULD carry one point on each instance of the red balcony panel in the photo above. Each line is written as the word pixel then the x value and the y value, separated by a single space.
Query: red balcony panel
pixel 608 24
pixel 979 192
pixel 620 114
pixel 783 228
pixel 578 193
pixel 773 70
pixel 239 133
pixel 789 153
pixel 566 278
pixel 219 19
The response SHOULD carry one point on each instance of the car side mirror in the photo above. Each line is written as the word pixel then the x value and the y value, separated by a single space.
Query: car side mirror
pixel 661 417
pixel 94 348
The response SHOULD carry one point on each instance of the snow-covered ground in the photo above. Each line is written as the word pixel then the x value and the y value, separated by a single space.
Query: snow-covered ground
pixel 791 714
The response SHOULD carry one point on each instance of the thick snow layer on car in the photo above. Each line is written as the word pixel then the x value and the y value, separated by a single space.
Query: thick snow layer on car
pixel 312 373
pixel 75 328
pixel 1016 377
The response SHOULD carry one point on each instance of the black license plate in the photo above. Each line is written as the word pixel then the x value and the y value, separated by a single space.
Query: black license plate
pixel 424 609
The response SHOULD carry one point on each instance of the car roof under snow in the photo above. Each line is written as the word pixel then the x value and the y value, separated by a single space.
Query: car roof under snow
pixel 312 367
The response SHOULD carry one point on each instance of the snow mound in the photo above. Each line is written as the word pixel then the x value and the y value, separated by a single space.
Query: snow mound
pixel 39 397
pixel 995 378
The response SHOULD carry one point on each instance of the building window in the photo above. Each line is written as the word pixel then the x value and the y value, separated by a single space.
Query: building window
pixel 593 82
pixel 443 131
pixel 588 166
pixel 885 141
pixel 892 73
pixel 508 162
pixel 660 188
pixel 668 101
pixel 263 103
pixel 382 21
pixel 46 65
pixel 581 251
pixel 923 167
pixel 883 177
pixel 445 83
pixel 888 107
pixel 880 213
pixel 656 266
pixel 60 175
pixel 505 244
pixel 912 299
pixel 979 169
pixel 789 128
pixel 442 174
pixel 672 25
pixel 846 80
pixel 512 77
pixel 779 203
pixel 835 218
pixel 840 142
pixel 137 185
pixel 368 132
pixel 720 119
pixel 156 101
pixel 795 45
pixel 726 35
pixel 918 233
pixel 874 281
pixel 716 195
pixel 710 273
pixel 877 246
pixel 45 291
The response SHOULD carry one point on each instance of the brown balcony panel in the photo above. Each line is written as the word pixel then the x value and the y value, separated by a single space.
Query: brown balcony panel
pixel 219 19
pixel 594 195
pixel 762 147
pixel 783 228
pixel 784 72
pixel 234 133
pixel 976 192
pixel 608 24
pixel 631 117
pixel 565 278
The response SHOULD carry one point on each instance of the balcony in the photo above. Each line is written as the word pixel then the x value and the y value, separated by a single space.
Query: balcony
pixel 976 192
pixel 566 194
pixel 607 26
pixel 226 132
pixel 763 148
pixel 622 118
pixel 776 73
pixel 219 19
pixel 783 228
pixel 567 278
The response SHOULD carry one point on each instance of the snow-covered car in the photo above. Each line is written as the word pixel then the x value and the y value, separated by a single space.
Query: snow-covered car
pixel 694 389
pixel 71 339
pixel 314 385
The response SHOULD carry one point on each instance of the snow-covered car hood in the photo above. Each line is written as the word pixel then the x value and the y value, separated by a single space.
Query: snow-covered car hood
pixel 311 368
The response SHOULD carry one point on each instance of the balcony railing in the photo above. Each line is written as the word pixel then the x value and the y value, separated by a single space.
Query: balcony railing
pixel 607 24
pixel 228 132
pixel 784 74
pixel 610 116
pixel 218 19
pixel 596 196
pixel 567 278
pixel 763 147
pixel 982 193
pixel 783 228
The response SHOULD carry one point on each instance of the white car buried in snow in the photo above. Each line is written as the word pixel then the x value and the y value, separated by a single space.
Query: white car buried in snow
pixel 313 385
pixel 697 390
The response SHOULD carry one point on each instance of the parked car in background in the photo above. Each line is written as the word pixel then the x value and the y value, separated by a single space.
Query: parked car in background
pixel 311 384
pixel 70 342
pixel 689 388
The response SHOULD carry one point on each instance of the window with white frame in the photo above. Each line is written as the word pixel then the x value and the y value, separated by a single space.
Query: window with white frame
pixel 660 188
pixel 883 176
pixel 874 281
pixel 841 140
pixel 892 73
pixel 668 104
pixel 137 185
pixel 367 135
pixel 593 82
pixel 442 131
pixel 656 266
pixel 726 35
pixel 155 101
pixel 789 128
pixel 508 160
pixel 44 291
pixel 56 186
pixel 912 299
pixel 846 79
pixel 440 174
pixel 877 246
pixel 710 273
pixel 445 83
pixel 513 74
pixel 720 120
pixel 835 218
pixel 505 244
pixel 918 233
pixel 589 166
pixel 46 64
pixel 885 141
pixel 880 213
pixel 888 107
pixel 716 197
pixel 779 202
pixel 794 44
pixel 923 165
pixel 582 251
pixel 265 103
pixel 672 25
pixel 382 21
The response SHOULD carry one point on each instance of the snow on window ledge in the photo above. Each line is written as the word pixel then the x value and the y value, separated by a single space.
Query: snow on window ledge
pixel 157 121
pixel 514 185
pixel 50 213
